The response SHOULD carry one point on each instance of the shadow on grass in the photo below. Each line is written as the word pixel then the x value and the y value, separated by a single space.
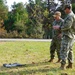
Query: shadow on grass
pixel 29 69
pixel 33 71
pixel 37 64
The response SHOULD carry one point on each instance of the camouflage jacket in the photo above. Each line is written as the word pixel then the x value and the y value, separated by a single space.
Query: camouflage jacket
pixel 66 28
pixel 55 33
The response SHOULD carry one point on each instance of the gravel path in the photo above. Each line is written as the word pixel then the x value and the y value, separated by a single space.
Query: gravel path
pixel 11 40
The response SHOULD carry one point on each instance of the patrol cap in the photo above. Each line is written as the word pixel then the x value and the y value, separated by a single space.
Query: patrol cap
pixel 68 6
pixel 57 13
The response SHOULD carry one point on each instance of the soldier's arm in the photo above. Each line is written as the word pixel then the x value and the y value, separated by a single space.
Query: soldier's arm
pixel 67 25
pixel 57 27
pixel 52 30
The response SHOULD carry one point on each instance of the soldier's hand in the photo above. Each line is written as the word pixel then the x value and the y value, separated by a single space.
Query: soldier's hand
pixel 60 35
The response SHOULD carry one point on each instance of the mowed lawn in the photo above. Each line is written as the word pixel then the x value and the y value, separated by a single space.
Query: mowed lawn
pixel 34 54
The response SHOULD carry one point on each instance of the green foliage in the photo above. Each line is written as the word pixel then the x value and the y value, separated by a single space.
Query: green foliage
pixel 19 26
pixel 73 7
pixel 33 19
pixel 34 27
pixel 3 33
pixel 13 34
pixel 17 18
pixel 3 16
pixel 3 10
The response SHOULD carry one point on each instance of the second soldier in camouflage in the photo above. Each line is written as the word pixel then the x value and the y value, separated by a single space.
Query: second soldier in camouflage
pixel 56 37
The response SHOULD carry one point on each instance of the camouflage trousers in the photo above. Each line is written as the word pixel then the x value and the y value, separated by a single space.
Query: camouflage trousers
pixel 66 50
pixel 55 46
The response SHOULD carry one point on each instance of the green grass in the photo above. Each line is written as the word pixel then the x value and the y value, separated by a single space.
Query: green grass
pixel 34 54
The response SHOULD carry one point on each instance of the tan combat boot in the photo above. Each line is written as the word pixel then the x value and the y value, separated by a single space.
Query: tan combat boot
pixel 51 60
pixel 69 65
pixel 62 67
pixel 59 60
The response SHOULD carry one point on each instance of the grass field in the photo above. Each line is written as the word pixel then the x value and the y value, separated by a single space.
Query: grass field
pixel 34 54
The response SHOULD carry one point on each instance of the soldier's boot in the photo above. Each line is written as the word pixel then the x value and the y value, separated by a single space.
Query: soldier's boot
pixel 51 60
pixel 69 65
pixel 59 60
pixel 62 67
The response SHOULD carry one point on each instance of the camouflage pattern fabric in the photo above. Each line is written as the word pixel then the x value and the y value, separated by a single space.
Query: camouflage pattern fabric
pixel 66 50
pixel 56 40
pixel 67 39
pixel 55 46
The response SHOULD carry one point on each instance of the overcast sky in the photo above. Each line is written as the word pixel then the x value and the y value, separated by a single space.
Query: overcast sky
pixel 10 2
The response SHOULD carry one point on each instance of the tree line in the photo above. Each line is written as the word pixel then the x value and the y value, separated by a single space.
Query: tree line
pixel 31 20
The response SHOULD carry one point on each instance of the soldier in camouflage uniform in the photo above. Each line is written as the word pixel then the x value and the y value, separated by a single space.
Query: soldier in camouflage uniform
pixel 67 38
pixel 56 37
